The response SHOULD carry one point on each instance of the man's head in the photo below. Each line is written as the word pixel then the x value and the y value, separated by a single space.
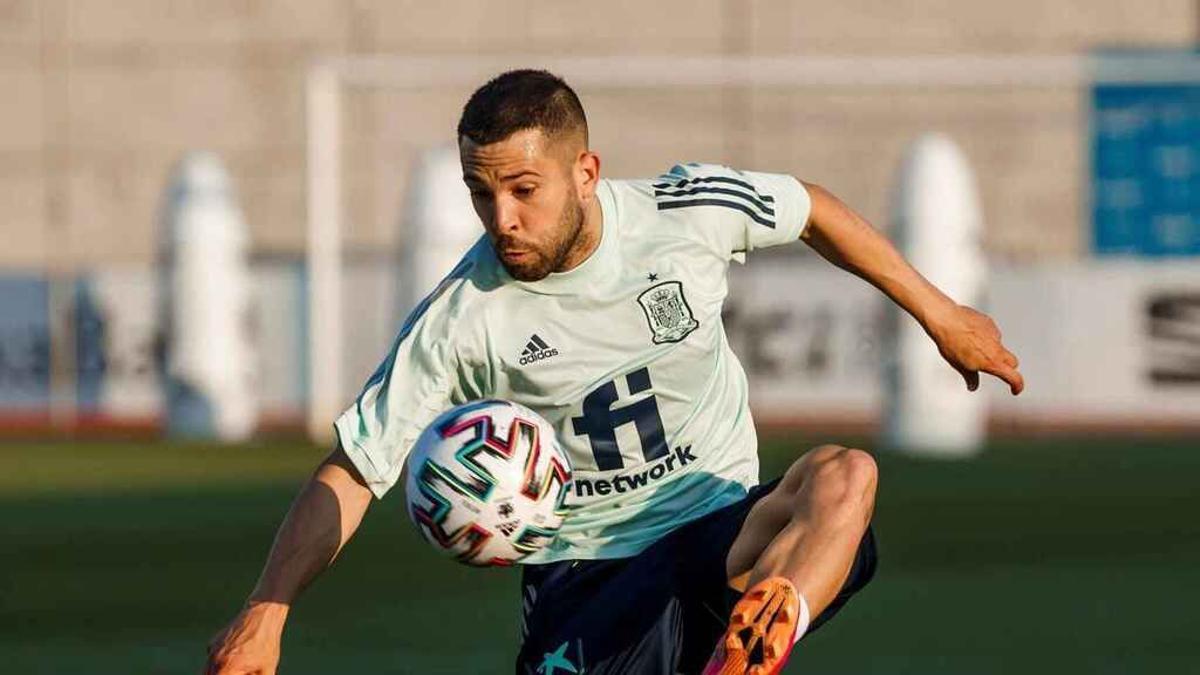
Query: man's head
pixel 523 142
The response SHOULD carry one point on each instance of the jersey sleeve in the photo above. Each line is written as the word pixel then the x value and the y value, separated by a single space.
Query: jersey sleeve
pixel 741 210
pixel 420 378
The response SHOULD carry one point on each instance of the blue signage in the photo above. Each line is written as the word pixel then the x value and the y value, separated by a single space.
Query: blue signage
pixel 24 343
pixel 1146 169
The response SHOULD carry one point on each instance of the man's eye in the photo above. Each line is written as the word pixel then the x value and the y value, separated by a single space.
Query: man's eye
pixel 525 190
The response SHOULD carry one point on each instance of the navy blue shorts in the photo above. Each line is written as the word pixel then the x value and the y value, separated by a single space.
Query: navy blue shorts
pixel 658 612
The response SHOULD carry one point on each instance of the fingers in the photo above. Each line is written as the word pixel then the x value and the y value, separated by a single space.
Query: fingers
pixel 219 664
pixel 1008 373
pixel 977 347
pixel 1005 367
pixel 1016 381
pixel 971 377
pixel 1010 359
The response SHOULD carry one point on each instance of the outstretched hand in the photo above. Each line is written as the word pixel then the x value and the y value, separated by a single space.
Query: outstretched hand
pixel 970 342
pixel 249 645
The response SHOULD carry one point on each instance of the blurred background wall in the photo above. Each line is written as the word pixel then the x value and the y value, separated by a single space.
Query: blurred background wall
pixel 102 99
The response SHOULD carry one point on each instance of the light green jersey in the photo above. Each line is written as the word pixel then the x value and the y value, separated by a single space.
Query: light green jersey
pixel 625 355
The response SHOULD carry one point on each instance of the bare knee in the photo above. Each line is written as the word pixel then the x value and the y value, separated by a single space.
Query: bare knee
pixel 857 468
pixel 840 482
pixel 802 469
pixel 824 453
pixel 833 462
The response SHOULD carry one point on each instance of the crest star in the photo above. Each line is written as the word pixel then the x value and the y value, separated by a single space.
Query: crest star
pixel 652 277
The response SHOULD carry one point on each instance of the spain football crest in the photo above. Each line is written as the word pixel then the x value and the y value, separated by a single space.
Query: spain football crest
pixel 667 311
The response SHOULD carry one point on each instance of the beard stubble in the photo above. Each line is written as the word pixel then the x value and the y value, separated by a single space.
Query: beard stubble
pixel 554 254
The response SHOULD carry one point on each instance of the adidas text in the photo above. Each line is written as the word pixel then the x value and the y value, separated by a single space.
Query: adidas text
pixel 538 356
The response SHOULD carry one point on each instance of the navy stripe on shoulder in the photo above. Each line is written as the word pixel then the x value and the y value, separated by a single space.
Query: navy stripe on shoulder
pixel 737 206
pixel 706 179
pixel 756 200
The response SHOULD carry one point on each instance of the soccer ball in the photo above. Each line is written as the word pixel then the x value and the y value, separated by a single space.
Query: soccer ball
pixel 488 482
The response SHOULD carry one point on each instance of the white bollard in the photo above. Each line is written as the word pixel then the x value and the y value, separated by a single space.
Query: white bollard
pixel 928 410
pixel 210 373
pixel 438 224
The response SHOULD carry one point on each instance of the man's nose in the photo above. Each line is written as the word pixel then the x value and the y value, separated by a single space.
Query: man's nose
pixel 504 216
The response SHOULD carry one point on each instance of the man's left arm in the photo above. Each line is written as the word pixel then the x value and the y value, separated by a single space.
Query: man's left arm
pixel 967 339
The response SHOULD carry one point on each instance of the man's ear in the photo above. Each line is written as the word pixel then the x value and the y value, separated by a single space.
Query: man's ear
pixel 587 174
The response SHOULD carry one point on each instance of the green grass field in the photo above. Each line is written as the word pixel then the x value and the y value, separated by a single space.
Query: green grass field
pixel 1039 557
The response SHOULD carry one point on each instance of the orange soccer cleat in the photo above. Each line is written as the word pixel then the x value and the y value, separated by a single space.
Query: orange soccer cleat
pixel 761 633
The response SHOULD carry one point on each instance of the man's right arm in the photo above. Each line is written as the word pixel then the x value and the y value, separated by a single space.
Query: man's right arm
pixel 321 520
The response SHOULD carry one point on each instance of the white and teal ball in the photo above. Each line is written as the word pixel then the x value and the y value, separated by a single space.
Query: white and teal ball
pixel 488 482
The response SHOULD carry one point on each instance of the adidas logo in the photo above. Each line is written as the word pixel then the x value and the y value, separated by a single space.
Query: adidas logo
pixel 536 350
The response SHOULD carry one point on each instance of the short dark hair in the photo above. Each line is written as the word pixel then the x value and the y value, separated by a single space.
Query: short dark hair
pixel 520 100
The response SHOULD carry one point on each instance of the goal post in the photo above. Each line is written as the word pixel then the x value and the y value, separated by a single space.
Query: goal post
pixel 329 79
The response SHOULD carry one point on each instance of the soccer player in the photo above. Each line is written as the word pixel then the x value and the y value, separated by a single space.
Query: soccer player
pixel 597 303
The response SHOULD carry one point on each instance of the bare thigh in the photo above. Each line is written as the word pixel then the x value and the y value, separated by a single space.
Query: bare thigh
pixel 770 515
